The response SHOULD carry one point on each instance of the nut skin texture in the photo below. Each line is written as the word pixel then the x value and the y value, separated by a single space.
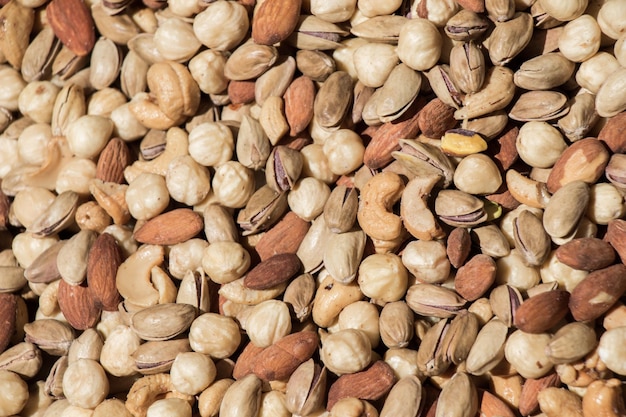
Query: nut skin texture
pixel 112 161
pixel 275 20
pixel 370 384
pixel 104 259
pixel 278 361
pixel 541 312
pixel 584 160
pixel 72 24
pixel 595 294
pixel 170 228
pixel 8 306
pixel 272 271
pixel 475 277
pixel 78 305
pixel 586 253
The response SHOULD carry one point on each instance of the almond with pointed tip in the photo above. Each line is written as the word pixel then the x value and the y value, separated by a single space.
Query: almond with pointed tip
pixel 105 257
pixel 275 20
pixel 113 159
pixel 170 228
pixel 370 384
pixel 72 23
pixel 542 311
pixel 78 305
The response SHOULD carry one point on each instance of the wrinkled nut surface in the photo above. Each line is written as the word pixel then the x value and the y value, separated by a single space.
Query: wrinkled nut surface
pixel 207 208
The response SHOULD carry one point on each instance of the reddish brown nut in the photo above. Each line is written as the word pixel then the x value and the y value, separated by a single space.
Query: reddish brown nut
pixel 588 253
pixel 78 305
pixel 595 294
pixel 475 277
pixel 542 311
pixel 170 228
pixel 104 259
pixel 370 384
pixel 72 23
pixel 273 271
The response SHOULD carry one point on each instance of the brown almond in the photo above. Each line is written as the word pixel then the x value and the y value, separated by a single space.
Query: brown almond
pixel 273 271
pixel 504 149
pixel 246 360
pixel 436 118
pixel 476 6
pixel 528 403
pixel 72 23
pixel 113 159
pixel 299 99
pixel 616 236
pixel 613 133
pixel 370 384
pixel 541 312
pixel 385 138
pixel 492 406
pixel 78 305
pixel 584 160
pixel 278 361
pixel 170 228
pixel 587 253
pixel 597 292
pixel 475 277
pixel 8 309
pixel 274 20
pixel 104 259
pixel 241 92
pixel 458 246
pixel 284 237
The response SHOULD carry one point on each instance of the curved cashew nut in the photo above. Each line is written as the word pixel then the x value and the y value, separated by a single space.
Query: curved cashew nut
pixel 417 217
pixel 527 191
pixel 176 144
pixel 375 214
pixel 147 389
pixel 604 398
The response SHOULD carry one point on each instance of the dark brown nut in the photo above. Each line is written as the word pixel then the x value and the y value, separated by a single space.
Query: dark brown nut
pixel 284 237
pixel 586 253
pixel 458 246
pixel 278 361
pixel 113 159
pixel 370 384
pixel 616 236
pixel 8 308
pixel 436 118
pixel 475 277
pixel 595 294
pixel 170 228
pixel 105 257
pixel 584 160
pixel 272 271
pixel 614 133
pixel 541 312
pixel 528 403
pixel 78 305
pixel 72 23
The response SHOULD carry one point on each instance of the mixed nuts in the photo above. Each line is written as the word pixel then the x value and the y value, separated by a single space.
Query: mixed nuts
pixel 312 208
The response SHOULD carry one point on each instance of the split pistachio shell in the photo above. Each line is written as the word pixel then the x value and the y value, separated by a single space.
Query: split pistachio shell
pixel 539 106
pixel 458 208
pixel 156 323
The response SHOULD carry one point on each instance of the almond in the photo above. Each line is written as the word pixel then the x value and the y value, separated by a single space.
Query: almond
pixel 8 309
pixel 278 361
pixel 613 133
pixel 435 118
pixel 299 99
pixel 584 160
pixel 284 237
pixel 385 139
pixel 475 277
pixel 528 403
pixel 241 92
pixel 275 20
pixel 492 406
pixel 458 246
pixel 72 23
pixel 17 24
pixel 541 312
pixel 105 257
pixel 246 360
pixel 504 149
pixel 370 384
pixel 114 158
pixel 272 271
pixel 170 228
pixel 597 292
pixel 476 6
pixel 587 253
pixel 78 305
pixel 616 236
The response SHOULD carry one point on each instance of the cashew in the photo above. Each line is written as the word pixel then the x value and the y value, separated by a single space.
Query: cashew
pixel 417 217
pixel 557 402
pixel 112 198
pixel 148 389
pixel 176 144
pixel 375 214
pixel 149 114
pixel 133 278
pixel 58 154
pixel 604 398
pixel 527 191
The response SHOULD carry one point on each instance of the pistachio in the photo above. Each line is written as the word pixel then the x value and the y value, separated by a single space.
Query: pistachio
pixel 539 106
pixel 457 208
pixel 434 300
pixel 467 67
pixel 465 26
pixel 509 38
pixel 158 323
pixel 340 209
pixel 262 210
pixel 425 159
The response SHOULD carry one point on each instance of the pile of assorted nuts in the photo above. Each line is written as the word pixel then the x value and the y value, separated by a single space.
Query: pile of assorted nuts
pixel 312 208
